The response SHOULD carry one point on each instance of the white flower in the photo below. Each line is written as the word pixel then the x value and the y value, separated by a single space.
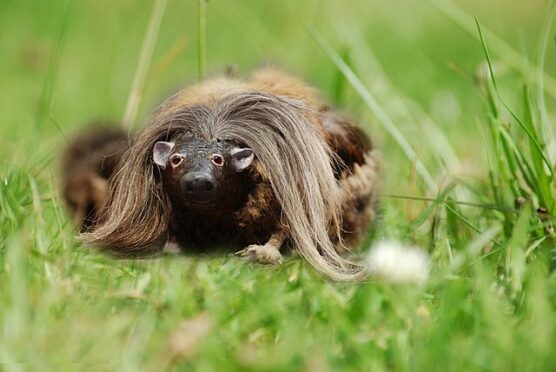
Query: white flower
pixel 397 263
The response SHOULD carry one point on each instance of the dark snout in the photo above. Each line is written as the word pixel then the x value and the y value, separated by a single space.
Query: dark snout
pixel 198 186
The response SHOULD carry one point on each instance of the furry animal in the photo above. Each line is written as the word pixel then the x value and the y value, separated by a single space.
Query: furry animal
pixel 252 164
pixel 87 164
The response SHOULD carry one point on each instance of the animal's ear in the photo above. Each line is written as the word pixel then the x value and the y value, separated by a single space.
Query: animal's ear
pixel 161 152
pixel 242 158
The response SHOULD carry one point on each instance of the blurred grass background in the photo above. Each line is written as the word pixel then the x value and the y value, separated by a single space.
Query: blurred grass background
pixel 490 302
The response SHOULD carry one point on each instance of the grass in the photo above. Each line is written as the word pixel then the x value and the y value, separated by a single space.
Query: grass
pixel 460 108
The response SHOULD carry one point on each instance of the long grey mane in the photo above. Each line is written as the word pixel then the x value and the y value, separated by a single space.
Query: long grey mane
pixel 294 157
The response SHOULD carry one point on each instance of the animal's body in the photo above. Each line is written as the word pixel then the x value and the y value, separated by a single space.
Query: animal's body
pixel 251 164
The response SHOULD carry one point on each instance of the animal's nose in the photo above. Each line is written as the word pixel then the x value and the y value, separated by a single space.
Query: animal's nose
pixel 198 185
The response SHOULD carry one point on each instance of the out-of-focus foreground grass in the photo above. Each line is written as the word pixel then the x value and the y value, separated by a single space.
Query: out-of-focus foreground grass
pixel 468 164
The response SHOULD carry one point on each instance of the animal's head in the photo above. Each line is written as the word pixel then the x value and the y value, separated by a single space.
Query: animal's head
pixel 201 174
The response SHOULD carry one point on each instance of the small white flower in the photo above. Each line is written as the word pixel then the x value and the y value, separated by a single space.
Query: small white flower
pixel 397 263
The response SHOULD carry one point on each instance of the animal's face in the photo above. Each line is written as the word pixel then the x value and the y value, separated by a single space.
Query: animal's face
pixel 199 173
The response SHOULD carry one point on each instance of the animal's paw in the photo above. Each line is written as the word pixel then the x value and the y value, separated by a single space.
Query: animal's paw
pixel 264 254
pixel 172 248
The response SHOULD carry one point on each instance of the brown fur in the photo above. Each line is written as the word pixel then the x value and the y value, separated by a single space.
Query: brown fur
pixel 87 164
pixel 313 181
pixel 261 208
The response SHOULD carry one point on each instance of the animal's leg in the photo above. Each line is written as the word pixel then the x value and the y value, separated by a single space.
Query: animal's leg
pixel 87 193
pixel 267 254
pixel 99 192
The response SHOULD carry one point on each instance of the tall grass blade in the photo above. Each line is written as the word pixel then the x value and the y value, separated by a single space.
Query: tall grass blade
pixel 363 59
pixel 515 259
pixel 383 118
pixel 466 221
pixel 531 136
pixel 503 49
pixel 145 57
pixel 543 44
pixel 45 101
pixel 430 209
pixel 202 35
pixel 474 247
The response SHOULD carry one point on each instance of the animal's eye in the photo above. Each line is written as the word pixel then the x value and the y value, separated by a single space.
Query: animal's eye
pixel 176 160
pixel 217 160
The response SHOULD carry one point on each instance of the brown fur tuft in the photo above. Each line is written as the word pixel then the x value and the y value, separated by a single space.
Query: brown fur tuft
pixel 87 164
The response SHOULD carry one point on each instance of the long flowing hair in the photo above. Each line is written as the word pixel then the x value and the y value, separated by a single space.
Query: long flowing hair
pixel 293 155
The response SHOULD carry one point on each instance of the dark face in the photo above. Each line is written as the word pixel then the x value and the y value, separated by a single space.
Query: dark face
pixel 201 174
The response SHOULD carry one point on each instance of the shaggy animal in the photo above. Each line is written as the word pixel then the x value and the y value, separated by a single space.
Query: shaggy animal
pixel 251 164
pixel 87 165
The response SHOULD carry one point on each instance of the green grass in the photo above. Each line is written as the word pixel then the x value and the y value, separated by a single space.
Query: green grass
pixel 462 111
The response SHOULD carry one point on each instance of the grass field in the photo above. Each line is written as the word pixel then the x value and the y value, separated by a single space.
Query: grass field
pixel 468 174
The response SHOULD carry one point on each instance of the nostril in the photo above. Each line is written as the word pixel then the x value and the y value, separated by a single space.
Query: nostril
pixel 208 185
pixel 189 186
